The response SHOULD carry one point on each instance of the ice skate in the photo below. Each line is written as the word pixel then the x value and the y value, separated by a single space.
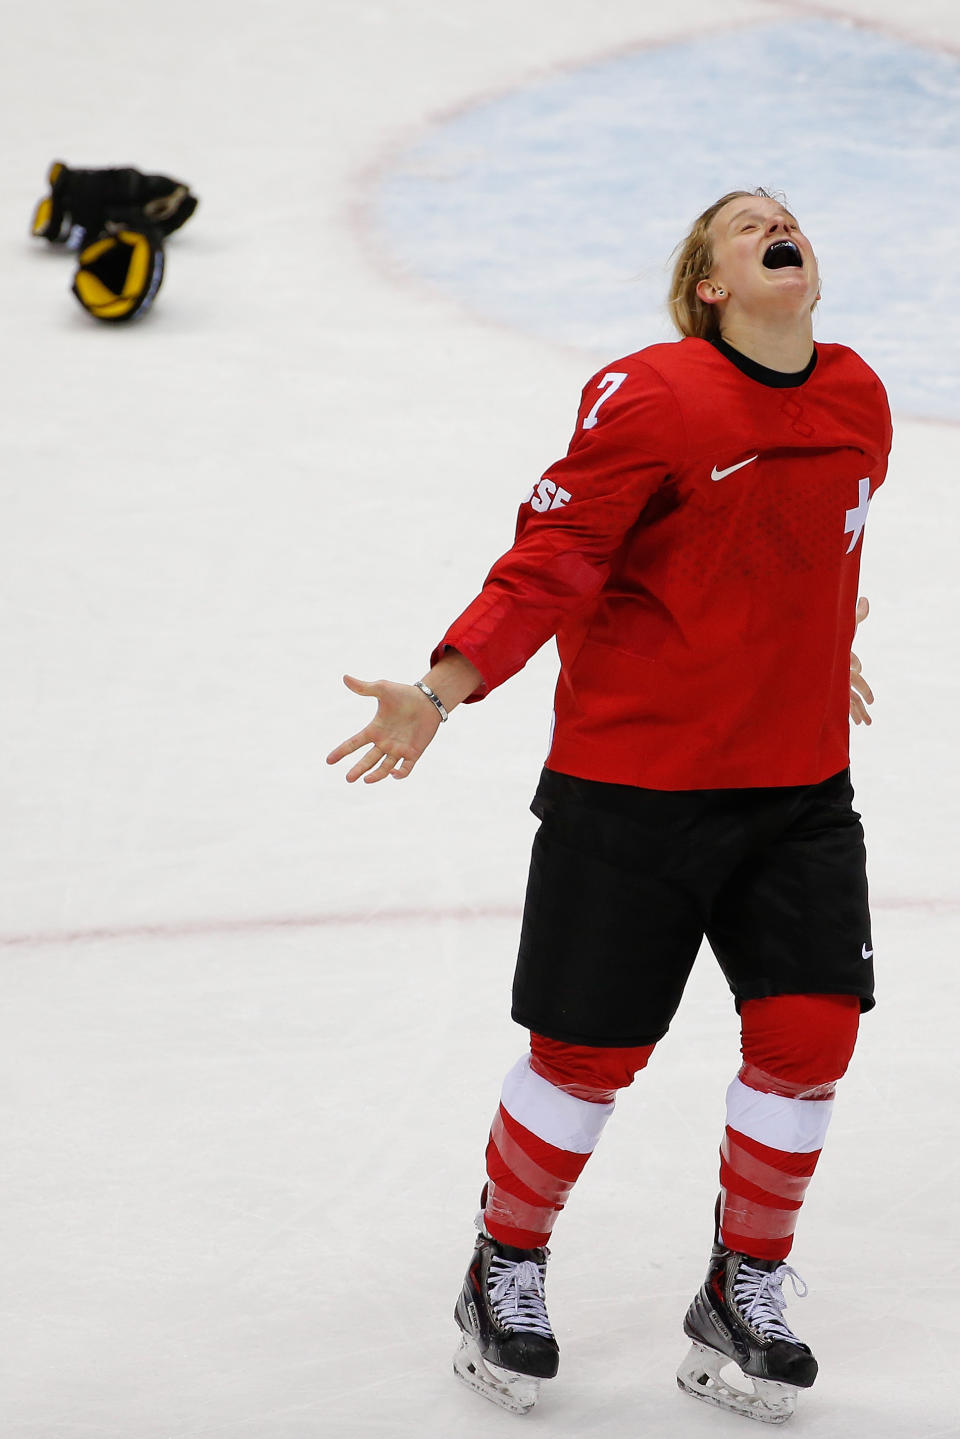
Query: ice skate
pixel 736 1324
pixel 506 1343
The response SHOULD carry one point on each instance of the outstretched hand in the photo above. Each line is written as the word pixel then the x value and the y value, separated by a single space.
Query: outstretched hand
pixel 861 694
pixel 404 724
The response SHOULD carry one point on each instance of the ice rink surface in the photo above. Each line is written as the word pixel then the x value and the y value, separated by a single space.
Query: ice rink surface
pixel 255 1020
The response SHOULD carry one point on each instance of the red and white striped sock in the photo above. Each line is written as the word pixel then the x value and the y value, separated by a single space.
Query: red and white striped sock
pixel 553 1108
pixel 778 1111
pixel 540 1140
pixel 770 1149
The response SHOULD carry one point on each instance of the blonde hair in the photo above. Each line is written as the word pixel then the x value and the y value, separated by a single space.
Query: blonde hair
pixel 691 315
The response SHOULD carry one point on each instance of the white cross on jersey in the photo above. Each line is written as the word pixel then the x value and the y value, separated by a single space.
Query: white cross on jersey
pixel 856 519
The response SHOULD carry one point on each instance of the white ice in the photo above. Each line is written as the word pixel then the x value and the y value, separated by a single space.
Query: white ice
pixel 255 1020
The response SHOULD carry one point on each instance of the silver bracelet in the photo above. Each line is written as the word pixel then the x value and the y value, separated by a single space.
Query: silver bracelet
pixel 434 700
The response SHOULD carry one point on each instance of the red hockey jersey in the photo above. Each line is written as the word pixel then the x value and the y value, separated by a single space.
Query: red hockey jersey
pixel 696 554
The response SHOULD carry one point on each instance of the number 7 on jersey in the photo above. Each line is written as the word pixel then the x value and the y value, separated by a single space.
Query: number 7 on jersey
pixel 613 379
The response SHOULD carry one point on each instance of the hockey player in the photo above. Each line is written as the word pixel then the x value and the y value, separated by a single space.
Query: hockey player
pixel 696 554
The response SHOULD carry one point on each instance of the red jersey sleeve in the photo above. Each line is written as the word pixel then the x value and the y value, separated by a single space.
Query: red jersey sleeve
pixel 629 438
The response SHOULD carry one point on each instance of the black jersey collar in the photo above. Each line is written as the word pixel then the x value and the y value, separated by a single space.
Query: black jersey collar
pixel 776 379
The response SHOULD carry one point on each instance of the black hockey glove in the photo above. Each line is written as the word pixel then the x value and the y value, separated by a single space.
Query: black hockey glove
pixel 120 273
pixel 82 203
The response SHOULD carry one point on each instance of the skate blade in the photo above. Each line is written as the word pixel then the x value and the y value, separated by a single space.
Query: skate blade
pixel 516 1392
pixel 768 1402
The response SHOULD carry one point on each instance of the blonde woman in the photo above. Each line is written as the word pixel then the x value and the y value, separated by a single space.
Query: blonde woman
pixel 696 555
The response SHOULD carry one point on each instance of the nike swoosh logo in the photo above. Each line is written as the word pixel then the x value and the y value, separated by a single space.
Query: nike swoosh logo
pixel 716 474
pixel 866 953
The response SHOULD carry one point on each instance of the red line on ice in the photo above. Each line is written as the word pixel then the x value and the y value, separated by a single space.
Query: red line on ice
pixel 457 914
pixel 188 929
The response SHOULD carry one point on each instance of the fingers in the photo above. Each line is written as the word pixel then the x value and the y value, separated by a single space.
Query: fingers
pixel 356 741
pixel 348 746
pixel 863 609
pixel 361 770
pixel 861 694
pixel 858 710
pixel 377 764
pixel 399 766
pixel 386 766
pixel 859 685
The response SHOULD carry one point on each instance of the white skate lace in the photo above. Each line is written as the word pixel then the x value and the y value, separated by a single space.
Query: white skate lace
pixel 516 1294
pixel 758 1294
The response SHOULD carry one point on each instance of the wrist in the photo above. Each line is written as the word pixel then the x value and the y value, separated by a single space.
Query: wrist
pixel 454 678
pixel 434 699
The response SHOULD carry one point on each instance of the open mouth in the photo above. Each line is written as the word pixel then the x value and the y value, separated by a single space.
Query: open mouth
pixel 781 254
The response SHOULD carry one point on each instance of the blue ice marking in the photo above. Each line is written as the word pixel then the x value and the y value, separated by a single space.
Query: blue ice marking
pixel 555 208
